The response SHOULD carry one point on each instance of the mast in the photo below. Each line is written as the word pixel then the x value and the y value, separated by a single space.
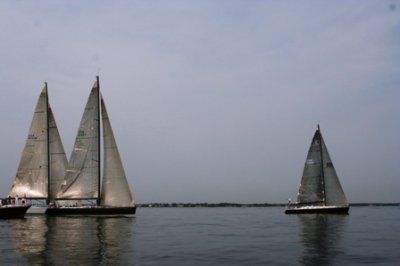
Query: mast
pixel 322 166
pixel 48 145
pixel 98 141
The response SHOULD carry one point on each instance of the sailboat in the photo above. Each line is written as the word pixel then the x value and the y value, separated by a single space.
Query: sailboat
pixel 320 190
pixel 81 186
pixel 42 165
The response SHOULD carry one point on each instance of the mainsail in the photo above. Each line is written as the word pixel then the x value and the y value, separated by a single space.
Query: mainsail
pixel 82 175
pixel 31 180
pixel 35 179
pixel 115 187
pixel 320 185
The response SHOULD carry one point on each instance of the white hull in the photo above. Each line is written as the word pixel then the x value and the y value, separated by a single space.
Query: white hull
pixel 36 210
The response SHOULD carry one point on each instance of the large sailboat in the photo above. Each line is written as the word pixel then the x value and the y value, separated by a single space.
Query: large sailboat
pixel 320 190
pixel 42 165
pixel 82 192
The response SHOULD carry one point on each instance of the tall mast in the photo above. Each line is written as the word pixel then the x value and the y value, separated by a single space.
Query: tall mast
pixel 48 144
pixel 98 139
pixel 322 166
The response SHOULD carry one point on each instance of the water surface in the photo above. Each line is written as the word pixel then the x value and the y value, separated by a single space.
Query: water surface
pixel 206 236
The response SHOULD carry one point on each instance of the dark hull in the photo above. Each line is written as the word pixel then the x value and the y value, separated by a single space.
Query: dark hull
pixel 83 211
pixel 333 210
pixel 13 212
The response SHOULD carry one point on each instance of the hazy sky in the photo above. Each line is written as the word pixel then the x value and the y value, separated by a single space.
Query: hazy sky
pixel 213 101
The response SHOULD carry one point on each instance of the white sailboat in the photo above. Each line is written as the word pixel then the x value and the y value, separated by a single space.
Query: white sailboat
pixel 81 192
pixel 320 190
pixel 43 161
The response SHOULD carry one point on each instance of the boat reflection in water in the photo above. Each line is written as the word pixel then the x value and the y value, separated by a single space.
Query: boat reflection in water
pixel 75 240
pixel 320 235
pixel 29 239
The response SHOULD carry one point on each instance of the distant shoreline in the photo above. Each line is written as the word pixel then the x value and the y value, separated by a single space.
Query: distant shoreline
pixel 223 204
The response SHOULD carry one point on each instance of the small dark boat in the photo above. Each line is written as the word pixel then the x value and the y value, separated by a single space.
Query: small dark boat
pixel 12 211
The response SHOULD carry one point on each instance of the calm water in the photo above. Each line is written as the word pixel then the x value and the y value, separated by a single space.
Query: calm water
pixel 206 236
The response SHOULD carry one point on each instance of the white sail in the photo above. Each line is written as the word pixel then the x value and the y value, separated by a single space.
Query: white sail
pixel 82 175
pixel 334 194
pixel 31 180
pixel 320 184
pixel 115 187
pixel 58 159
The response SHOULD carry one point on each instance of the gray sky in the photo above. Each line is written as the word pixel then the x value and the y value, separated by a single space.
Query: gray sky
pixel 213 101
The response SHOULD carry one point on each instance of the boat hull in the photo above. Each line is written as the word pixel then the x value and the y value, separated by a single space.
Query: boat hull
pixel 88 211
pixel 36 210
pixel 318 209
pixel 13 211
